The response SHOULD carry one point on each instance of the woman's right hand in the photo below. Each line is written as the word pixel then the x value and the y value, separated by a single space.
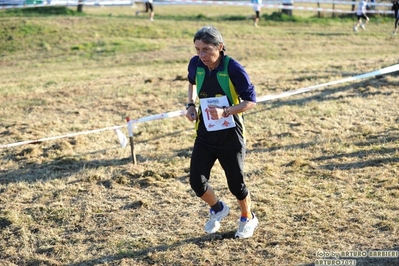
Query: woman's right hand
pixel 191 113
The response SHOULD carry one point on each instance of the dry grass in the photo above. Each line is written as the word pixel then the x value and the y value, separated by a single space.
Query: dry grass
pixel 322 166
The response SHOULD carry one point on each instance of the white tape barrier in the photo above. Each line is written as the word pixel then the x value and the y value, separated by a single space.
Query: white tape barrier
pixel 60 137
pixel 362 76
pixel 271 6
pixel 335 2
pixel 158 116
pixel 338 2
pixel 115 128
pixel 192 2
pixel 131 123
pixel 267 2
pixel 68 3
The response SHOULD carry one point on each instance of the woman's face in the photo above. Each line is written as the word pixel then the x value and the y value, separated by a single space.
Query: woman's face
pixel 208 53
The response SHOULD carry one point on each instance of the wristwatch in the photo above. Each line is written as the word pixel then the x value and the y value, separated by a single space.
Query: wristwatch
pixel 188 105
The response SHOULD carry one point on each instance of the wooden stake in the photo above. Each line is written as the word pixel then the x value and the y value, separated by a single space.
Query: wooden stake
pixel 130 130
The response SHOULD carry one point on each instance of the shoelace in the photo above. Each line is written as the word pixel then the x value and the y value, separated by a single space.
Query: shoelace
pixel 212 216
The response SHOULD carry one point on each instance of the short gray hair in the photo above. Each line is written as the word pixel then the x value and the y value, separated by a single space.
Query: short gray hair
pixel 209 35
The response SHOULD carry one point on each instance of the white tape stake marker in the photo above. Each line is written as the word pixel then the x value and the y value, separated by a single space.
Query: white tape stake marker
pixel 122 138
pixel 130 130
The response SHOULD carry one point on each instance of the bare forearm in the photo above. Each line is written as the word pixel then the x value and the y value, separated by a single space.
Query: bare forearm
pixel 241 107
pixel 191 95
pixel 191 113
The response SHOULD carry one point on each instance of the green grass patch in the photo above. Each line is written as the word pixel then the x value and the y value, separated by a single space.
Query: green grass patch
pixel 40 11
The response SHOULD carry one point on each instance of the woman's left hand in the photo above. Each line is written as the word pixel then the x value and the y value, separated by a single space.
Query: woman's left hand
pixel 215 112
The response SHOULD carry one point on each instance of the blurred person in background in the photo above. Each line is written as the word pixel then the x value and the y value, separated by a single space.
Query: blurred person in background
pixel 361 14
pixel 225 91
pixel 148 7
pixel 395 8
pixel 257 5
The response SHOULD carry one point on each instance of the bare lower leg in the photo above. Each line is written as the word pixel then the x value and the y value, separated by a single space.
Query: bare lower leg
pixel 209 196
pixel 245 207
pixel 358 23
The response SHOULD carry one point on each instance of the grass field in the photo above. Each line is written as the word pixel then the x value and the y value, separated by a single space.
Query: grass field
pixel 322 166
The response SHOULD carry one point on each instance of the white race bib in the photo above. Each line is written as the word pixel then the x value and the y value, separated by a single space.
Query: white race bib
pixel 222 123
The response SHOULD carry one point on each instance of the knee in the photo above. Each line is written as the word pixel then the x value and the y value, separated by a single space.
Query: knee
pixel 241 193
pixel 199 185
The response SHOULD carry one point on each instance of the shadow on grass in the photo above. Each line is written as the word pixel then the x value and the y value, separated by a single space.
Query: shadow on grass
pixel 362 155
pixel 64 166
pixel 330 34
pixel 143 254
pixel 59 168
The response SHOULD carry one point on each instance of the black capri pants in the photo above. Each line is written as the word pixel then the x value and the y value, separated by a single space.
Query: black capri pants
pixel 362 16
pixel 149 6
pixel 232 161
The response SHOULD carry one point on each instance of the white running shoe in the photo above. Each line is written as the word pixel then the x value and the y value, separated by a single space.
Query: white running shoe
pixel 362 26
pixel 246 227
pixel 354 28
pixel 213 224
